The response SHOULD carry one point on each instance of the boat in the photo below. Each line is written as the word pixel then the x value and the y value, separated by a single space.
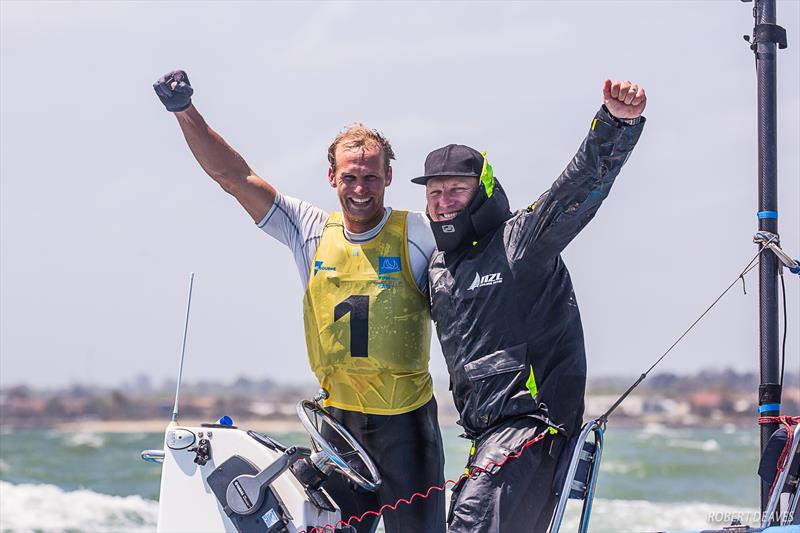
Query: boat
pixel 218 477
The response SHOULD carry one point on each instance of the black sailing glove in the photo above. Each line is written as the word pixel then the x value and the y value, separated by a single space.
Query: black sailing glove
pixel 174 90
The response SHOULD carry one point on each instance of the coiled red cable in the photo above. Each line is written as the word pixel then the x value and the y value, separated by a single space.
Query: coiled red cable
pixel 783 459
pixel 393 507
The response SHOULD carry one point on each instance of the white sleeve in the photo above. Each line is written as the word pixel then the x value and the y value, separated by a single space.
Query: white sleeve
pixel 421 245
pixel 298 225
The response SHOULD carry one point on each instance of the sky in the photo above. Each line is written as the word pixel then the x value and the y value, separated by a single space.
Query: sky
pixel 104 212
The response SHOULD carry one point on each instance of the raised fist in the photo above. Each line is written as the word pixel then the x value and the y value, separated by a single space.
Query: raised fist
pixel 624 99
pixel 174 90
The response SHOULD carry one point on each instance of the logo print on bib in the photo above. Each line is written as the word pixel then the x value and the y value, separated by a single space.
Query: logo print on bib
pixel 319 266
pixel 388 264
pixel 483 281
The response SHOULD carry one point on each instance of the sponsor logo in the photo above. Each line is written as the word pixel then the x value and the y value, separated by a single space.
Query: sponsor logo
pixel 270 518
pixel 319 266
pixel 448 228
pixel 242 494
pixel 388 264
pixel 483 281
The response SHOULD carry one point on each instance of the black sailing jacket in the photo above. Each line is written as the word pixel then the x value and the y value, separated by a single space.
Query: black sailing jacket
pixel 504 308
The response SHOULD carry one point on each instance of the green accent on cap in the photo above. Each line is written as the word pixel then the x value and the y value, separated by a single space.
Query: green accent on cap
pixel 531 384
pixel 487 176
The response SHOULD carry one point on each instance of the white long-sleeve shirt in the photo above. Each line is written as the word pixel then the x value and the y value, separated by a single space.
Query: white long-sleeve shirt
pixel 298 224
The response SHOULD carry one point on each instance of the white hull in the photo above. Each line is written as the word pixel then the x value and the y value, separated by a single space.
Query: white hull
pixel 188 504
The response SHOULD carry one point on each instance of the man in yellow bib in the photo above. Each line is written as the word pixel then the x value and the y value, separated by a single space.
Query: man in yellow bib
pixel 366 312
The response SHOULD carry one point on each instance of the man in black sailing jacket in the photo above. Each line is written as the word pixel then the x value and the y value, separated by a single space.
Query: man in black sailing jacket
pixel 506 313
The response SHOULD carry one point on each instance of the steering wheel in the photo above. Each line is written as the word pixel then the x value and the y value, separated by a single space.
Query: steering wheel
pixel 341 460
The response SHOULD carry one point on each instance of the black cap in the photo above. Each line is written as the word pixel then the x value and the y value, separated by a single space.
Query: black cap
pixel 452 160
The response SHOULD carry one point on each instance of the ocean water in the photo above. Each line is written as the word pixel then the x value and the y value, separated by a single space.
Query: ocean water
pixel 651 479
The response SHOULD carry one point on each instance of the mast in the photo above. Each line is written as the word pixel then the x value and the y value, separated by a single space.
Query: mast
pixel 767 38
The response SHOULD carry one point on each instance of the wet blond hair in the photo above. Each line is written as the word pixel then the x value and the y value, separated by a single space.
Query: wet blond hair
pixel 358 137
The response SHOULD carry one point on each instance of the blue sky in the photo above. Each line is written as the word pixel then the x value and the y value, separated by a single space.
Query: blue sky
pixel 103 211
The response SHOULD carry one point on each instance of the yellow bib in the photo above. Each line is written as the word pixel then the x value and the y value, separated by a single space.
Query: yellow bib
pixel 367 324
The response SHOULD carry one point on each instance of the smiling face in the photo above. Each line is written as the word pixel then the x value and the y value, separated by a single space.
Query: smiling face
pixel 448 196
pixel 360 180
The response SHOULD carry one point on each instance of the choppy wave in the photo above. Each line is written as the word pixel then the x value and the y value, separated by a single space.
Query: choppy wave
pixel 652 428
pixel 637 470
pixel 619 516
pixel 48 508
pixel 84 439
pixel 708 445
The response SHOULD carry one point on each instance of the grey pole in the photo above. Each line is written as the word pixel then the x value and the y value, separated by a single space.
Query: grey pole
pixel 183 349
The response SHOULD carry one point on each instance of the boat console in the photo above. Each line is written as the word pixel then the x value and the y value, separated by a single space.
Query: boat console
pixel 217 477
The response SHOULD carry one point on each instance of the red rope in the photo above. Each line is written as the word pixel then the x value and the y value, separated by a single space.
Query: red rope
pixel 393 507
pixel 788 422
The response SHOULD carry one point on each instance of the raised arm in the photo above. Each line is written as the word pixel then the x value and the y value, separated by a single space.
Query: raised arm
pixel 216 157
pixel 574 198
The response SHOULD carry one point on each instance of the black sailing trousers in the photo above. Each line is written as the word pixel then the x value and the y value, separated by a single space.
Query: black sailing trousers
pixel 407 450
pixel 517 497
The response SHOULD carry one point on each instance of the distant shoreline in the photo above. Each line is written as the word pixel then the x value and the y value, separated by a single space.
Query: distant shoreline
pixel 158 425
pixel 154 426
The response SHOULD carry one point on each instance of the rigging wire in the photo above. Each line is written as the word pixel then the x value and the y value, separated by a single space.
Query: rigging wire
pixel 750 266
pixel 785 324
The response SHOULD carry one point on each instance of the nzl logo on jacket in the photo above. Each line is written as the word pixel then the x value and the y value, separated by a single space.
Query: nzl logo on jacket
pixel 319 266
pixel 483 281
